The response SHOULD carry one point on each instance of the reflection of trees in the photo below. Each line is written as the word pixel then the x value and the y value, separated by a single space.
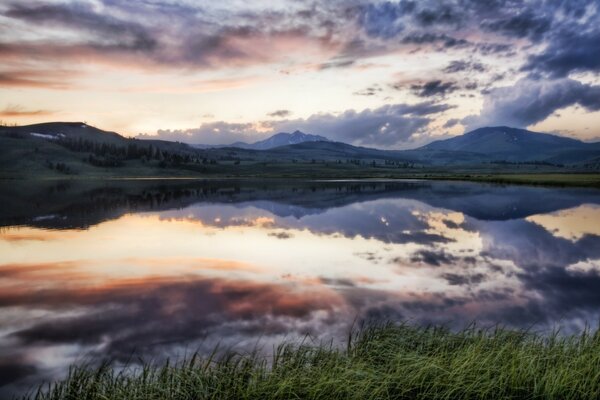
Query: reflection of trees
pixel 77 204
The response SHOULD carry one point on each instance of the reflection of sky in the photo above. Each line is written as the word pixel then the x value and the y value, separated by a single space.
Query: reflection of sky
pixel 171 281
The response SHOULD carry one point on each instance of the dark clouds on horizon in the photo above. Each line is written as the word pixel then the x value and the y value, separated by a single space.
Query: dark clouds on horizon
pixel 555 46
pixel 386 126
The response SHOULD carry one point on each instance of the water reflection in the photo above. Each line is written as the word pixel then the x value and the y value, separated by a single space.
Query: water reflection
pixel 163 269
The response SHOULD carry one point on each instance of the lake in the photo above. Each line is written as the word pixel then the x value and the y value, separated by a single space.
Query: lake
pixel 121 269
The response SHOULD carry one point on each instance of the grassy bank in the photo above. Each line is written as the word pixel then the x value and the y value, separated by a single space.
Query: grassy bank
pixel 536 179
pixel 395 362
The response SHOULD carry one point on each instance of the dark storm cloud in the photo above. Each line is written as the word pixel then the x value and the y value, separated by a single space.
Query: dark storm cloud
pixel 532 101
pixel 490 48
pixel 463 279
pixel 434 88
pixel 387 19
pixel 523 25
pixel 439 14
pixel 569 51
pixel 383 19
pixel 428 38
pixel 433 258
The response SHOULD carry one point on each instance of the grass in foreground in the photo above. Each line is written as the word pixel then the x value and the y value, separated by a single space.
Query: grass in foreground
pixel 381 362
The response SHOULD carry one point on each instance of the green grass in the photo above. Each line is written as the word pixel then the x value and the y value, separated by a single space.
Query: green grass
pixel 380 362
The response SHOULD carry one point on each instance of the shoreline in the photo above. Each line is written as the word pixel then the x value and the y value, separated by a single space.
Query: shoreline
pixel 529 179
pixel 385 361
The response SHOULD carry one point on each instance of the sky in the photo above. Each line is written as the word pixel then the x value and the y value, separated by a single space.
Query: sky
pixel 385 74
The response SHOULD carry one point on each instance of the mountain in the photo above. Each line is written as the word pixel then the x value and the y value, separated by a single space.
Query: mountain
pixel 513 144
pixel 53 131
pixel 277 140
pixel 75 148
pixel 285 139
pixel 66 130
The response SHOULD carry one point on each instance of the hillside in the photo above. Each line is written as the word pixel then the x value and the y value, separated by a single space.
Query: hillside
pixel 512 144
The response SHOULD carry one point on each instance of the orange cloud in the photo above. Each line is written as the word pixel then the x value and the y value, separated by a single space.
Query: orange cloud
pixel 19 111
pixel 57 80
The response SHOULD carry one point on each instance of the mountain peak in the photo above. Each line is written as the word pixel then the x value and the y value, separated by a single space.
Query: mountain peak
pixel 284 139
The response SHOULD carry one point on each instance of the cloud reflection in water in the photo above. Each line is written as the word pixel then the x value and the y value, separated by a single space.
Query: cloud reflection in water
pixel 166 282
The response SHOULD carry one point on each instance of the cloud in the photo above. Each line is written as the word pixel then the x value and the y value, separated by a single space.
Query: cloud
pixel 233 49
pixel 464 66
pixel 441 14
pixel 383 20
pixel 451 122
pixel 280 113
pixel 211 133
pixel 56 80
pixel 336 64
pixel 155 35
pixel 245 307
pixel 12 111
pixel 369 91
pixel 433 258
pixel 531 101
pixel 387 126
pixel 526 24
pixel 428 38
pixel 434 88
pixel 82 16
pixel 570 51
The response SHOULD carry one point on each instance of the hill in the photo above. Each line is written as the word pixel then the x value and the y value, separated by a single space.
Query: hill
pixel 513 144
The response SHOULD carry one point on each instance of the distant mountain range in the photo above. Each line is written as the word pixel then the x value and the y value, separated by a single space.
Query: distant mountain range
pixel 277 140
pixel 79 148
pixel 499 143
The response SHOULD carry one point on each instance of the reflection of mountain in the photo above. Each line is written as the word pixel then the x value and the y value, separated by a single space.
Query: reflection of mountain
pixel 82 204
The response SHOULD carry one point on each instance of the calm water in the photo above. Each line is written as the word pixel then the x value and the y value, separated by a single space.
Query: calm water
pixel 164 269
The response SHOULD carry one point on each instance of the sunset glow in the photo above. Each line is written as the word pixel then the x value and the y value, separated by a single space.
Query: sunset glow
pixel 376 73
